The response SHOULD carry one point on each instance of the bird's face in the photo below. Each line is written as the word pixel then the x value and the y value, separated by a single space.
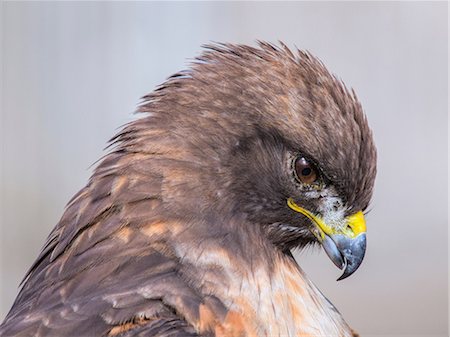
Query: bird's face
pixel 299 201
pixel 342 235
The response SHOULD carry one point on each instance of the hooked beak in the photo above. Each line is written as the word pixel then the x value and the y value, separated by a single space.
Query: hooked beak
pixel 345 246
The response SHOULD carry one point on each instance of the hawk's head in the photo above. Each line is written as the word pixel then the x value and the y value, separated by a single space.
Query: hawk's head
pixel 269 136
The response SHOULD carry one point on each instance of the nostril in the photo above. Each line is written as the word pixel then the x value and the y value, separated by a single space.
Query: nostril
pixel 349 228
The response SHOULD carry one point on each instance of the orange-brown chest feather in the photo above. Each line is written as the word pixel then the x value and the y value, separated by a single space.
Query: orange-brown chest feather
pixel 264 301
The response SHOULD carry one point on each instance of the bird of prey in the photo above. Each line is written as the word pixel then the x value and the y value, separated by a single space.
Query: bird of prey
pixel 185 227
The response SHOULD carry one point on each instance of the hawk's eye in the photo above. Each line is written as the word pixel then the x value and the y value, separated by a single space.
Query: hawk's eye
pixel 305 171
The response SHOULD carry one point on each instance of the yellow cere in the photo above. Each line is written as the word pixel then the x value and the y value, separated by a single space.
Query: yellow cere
pixel 356 223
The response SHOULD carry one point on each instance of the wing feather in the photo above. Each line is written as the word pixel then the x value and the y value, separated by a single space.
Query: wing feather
pixel 108 267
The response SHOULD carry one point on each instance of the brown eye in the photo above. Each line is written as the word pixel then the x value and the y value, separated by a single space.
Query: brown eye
pixel 305 171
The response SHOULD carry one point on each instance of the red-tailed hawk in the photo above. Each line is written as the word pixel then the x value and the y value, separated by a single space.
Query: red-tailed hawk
pixel 185 227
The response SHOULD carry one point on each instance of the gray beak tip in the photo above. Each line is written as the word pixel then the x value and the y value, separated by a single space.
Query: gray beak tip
pixel 353 251
pixel 345 252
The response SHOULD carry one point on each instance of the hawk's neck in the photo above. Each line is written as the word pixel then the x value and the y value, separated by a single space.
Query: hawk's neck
pixel 270 291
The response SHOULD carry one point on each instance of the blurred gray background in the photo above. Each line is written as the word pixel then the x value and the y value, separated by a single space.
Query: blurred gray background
pixel 74 72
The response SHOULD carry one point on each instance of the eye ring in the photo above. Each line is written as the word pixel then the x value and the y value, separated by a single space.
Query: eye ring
pixel 305 171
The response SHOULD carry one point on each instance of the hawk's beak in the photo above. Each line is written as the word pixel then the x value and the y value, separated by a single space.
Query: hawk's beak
pixel 346 245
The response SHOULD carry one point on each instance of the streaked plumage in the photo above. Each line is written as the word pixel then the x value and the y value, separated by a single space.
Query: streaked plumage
pixel 184 228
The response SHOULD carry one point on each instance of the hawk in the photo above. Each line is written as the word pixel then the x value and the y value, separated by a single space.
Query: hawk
pixel 185 227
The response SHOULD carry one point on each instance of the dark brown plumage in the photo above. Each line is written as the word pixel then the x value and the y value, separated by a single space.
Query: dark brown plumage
pixel 184 226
